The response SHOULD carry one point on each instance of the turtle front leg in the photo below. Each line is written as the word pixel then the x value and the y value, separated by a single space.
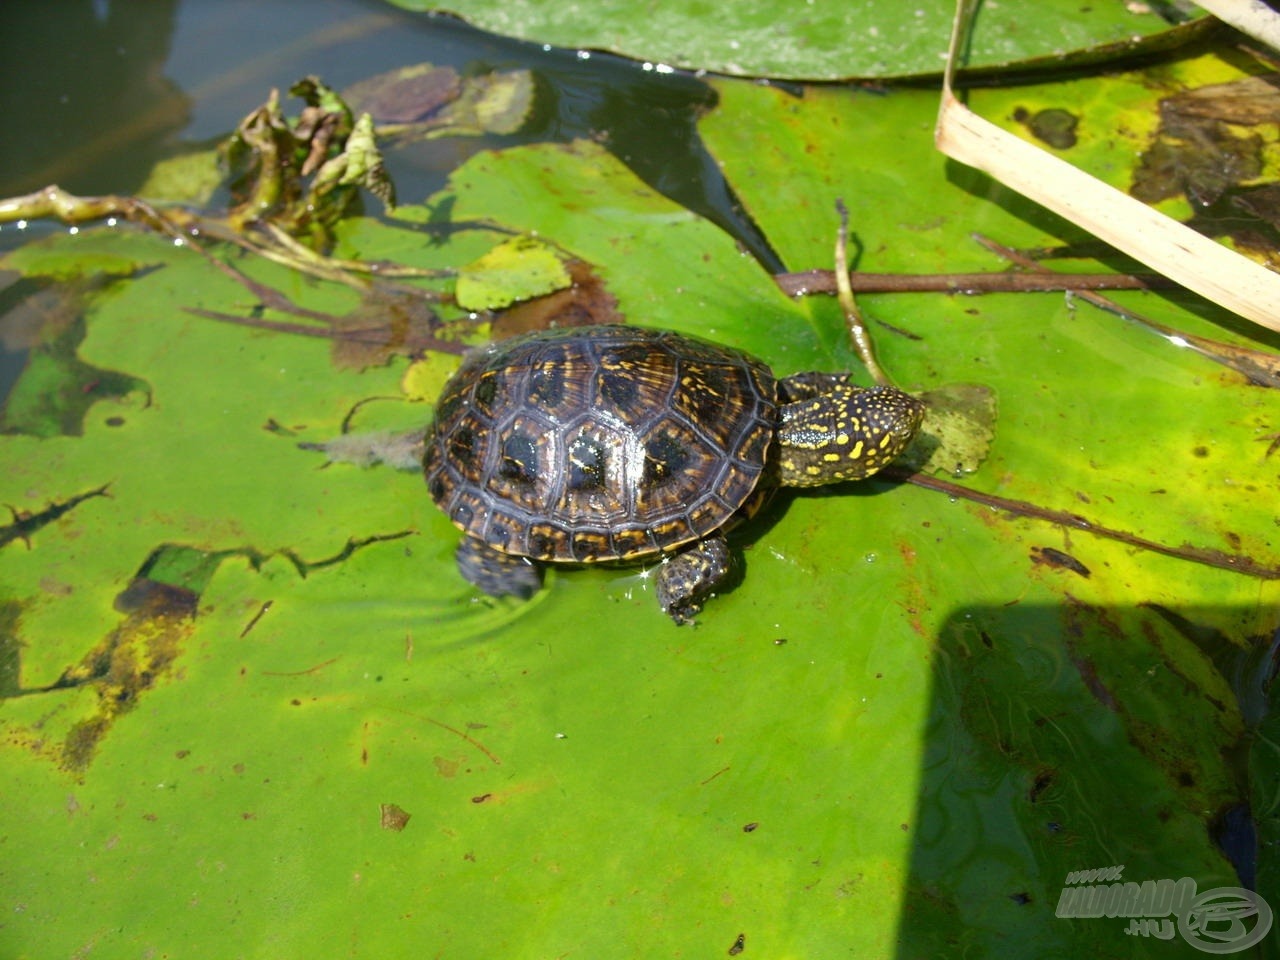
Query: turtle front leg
pixel 496 573
pixel 688 578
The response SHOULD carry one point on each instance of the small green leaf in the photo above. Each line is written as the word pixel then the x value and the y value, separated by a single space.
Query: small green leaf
pixel 959 425
pixel 425 378
pixel 90 253
pixel 517 269
pixel 189 178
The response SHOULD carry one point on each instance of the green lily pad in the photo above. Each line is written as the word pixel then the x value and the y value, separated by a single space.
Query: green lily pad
pixel 874 38
pixel 1094 422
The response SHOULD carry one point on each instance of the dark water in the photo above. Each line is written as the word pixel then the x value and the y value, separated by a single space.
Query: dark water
pixel 93 94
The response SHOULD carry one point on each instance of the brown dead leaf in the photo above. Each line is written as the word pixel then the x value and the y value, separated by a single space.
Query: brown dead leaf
pixel 1247 102
pixel 408 95
pixel 584 302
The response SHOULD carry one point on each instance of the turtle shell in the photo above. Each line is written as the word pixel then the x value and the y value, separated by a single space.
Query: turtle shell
pixel 600 443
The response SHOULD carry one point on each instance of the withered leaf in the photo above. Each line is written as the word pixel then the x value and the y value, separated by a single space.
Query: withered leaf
pixel 1196 152
pixel 584 302
pixel 1201 158
pixel 1250 101
pixel 407 95
pixel 387 323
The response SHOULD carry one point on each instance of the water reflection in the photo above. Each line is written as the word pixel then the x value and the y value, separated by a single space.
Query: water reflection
pixel 1080 738
pixel 86 93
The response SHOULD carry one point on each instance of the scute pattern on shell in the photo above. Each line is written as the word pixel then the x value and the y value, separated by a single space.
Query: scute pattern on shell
pixel 600 443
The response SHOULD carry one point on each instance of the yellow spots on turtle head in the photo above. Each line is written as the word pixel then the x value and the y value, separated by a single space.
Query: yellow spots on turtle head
pixel 845 434
pixel 819 435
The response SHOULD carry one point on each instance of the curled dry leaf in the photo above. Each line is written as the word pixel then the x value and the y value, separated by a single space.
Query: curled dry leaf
pixel 302 174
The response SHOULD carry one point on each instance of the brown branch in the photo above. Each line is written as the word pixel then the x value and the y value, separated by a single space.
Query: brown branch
pixel 1236 563
pixel 824 281
pixel 376 335
pixel 1259 366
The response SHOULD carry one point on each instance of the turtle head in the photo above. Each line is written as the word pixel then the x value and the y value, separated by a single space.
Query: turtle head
pixel 844 433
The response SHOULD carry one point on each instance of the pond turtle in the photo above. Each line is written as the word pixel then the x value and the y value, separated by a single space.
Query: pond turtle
pixel 619 443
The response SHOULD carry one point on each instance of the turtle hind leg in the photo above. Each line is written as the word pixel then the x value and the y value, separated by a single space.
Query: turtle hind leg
pixel 688 578
pixel 496 573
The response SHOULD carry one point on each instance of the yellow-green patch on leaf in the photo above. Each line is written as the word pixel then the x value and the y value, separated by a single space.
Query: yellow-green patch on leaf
pixel 518 269
pixel 184 178
pixel 425 378
pixel 959 426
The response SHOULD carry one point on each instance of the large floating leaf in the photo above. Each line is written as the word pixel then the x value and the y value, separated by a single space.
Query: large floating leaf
pixel 1097 419
pixel 823 41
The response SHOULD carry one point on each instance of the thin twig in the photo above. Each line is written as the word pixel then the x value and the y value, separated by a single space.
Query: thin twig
pixel 844 292
pixel 1258 366
pixel 1234 562
pixel 805 282
pixel 1039 269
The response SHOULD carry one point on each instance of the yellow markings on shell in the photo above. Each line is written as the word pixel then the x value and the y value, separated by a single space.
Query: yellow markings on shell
pixel 856 452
